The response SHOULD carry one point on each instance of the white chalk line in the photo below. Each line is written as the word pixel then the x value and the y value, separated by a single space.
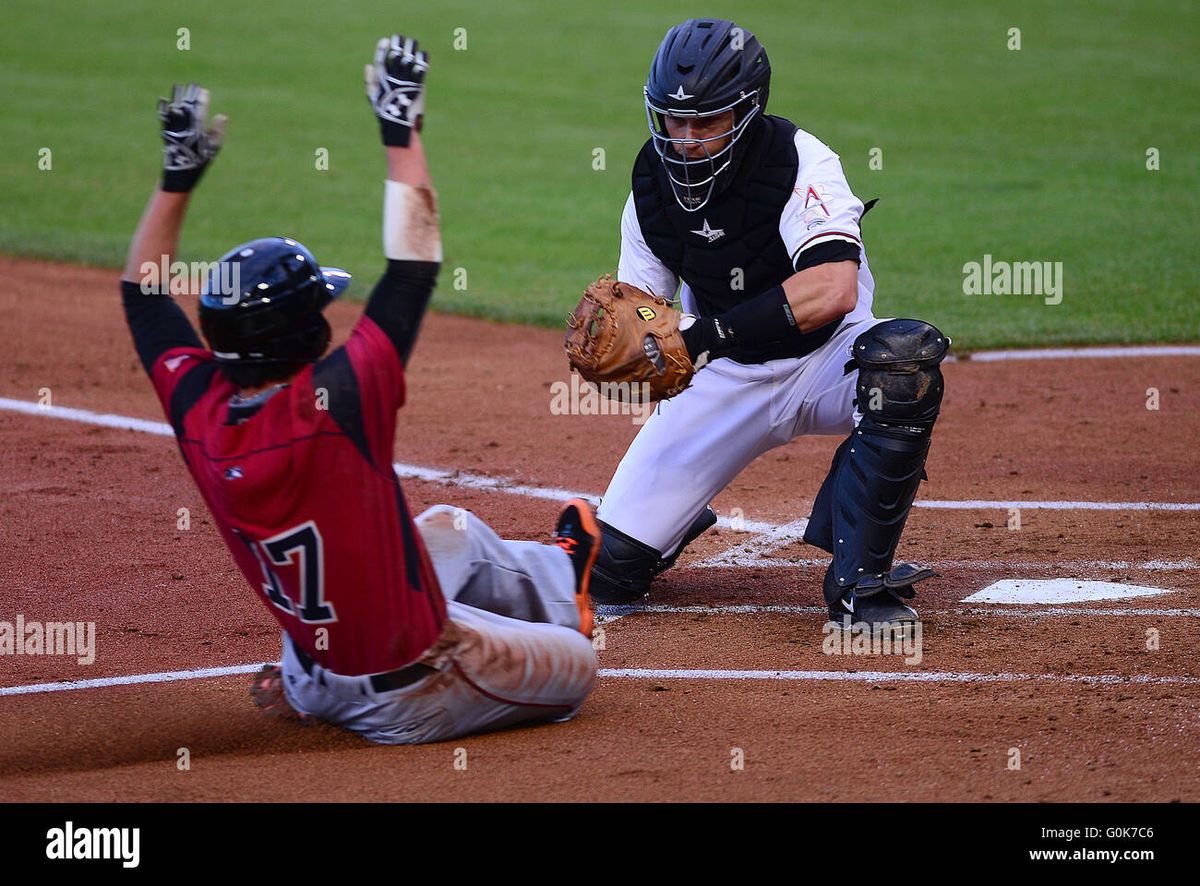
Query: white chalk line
pixel 1078 353
pixel 87 417
pixel 736 557
pixel 754 550
pixel 609 614
pixel 988 504
pixel 651 674
pixel 889 676
pixel 133 679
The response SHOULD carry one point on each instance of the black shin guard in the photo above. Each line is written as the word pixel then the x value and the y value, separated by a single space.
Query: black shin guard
pixel 872 493
pixel 861 508
pixel 624 568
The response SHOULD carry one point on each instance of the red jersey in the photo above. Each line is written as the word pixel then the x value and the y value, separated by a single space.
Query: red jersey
pixel 301 485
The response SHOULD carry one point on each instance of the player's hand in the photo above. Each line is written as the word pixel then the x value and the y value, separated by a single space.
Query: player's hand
pixel 396 88
pixel 189 143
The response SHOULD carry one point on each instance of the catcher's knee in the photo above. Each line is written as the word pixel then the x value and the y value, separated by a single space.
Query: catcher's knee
pixel 899 380
pixel 624 568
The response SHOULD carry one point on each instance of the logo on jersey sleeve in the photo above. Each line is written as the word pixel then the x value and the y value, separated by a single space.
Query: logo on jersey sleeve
pixel 710 234
pixel 173 363
pixel 817 203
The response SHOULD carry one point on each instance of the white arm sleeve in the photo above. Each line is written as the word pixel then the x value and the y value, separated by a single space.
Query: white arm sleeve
pixel 638 265
pixel 410 223
pixel 822 206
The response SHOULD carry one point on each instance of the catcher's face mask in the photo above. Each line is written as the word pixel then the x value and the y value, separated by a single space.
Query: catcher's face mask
pixel 694 178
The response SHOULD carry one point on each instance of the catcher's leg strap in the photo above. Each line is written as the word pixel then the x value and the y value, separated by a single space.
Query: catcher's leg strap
pixel 863 504
pixel 899 581
pixel 705 521
pixel 624 568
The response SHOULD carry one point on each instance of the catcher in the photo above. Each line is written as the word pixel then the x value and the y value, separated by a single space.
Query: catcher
pixel 752 221
pixel 401 630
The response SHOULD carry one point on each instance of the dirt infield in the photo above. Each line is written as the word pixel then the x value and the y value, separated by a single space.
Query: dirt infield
pixel 1095 700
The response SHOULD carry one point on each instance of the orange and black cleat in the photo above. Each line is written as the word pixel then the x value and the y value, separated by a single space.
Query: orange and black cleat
pixel 578 533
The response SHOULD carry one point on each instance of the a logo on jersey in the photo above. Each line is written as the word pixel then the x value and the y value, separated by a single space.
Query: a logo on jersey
pixel 710 234
pixel 646 313
pixel 817 195
pixel 816 206
pixel 174 362
pixel 233 473
pixel 680 95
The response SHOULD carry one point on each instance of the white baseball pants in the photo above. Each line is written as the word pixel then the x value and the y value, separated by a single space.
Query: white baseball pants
pixel 698 441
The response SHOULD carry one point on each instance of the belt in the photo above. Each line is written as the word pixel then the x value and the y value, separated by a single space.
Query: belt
pixel 398 679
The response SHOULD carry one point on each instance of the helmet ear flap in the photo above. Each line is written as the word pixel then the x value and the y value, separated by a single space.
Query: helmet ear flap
pixel 322 336
pixel 310 343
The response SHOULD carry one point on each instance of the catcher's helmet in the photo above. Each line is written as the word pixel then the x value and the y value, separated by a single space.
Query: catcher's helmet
pixel 262 303
pixel 705 67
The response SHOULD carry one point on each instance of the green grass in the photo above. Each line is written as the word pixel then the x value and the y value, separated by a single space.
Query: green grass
pixel 1031 155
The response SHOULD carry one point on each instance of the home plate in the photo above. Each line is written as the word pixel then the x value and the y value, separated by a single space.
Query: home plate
pixel 1058 590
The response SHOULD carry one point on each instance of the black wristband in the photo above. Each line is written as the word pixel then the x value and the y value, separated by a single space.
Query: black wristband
pixel 180 181
pixel 395 135
pixel 759 321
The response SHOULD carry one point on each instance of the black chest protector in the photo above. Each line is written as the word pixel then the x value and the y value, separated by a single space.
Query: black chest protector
pixel 738 229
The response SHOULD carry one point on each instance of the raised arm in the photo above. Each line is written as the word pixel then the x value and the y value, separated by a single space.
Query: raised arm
pixel 412 239
pixel 155 321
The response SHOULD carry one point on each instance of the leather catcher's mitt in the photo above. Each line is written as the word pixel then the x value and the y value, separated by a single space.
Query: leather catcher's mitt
pixel 627 342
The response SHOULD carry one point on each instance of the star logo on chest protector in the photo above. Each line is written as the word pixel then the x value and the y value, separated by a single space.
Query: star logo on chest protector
pixel 710 234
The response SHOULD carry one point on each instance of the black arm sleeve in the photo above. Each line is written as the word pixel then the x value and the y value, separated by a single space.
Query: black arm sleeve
pixel 828 252
pixel 399 299
pixel 157 324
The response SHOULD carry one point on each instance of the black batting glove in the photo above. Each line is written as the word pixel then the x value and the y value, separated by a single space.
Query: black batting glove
pixel 189 143
pixel 396 88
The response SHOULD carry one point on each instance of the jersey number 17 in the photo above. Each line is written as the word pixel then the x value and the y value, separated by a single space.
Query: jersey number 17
pixel 306 602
